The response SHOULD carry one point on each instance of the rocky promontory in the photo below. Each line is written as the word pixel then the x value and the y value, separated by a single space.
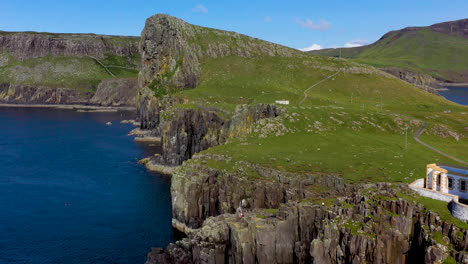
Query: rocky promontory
pixel 236 211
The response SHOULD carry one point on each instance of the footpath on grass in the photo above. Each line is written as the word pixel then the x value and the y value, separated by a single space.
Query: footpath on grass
pixel 416 137
pixel 317 83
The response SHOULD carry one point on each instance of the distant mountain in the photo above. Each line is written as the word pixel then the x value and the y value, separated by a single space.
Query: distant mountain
pixel 440 51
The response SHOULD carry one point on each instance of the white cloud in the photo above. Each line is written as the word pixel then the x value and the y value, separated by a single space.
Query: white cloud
pixel 312 47
pixel 200 9
pixel 323 25
pixel 268 19
pixel 356 43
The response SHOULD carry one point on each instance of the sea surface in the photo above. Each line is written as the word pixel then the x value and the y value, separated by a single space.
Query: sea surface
pixel 457 94
pixel 71 190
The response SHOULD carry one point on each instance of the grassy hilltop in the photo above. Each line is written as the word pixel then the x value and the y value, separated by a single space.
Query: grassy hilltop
pixel 352 124
pixel 439 51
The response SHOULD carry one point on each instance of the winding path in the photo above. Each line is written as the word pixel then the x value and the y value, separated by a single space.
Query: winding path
pixel 416 137
pixel 317 83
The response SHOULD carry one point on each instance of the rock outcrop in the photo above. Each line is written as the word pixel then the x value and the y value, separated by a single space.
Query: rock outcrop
pixel 456 28
pixel 358 228
pixel 25 94
pixel 199 192
pixel 171 51
pixel 185 132
pixel 116 92
pixel 110 92
pixel 423 81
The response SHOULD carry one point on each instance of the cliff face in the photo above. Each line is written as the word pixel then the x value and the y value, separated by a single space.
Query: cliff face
pixel 46 68
pixel 456 28
pixel 25 94
pixel 171 52
pixel 199 192
pixel 26 45
pixel 357 228
pixel 116 92
pixel 423 81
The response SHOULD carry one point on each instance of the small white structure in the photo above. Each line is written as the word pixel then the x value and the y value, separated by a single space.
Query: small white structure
pixel 283 102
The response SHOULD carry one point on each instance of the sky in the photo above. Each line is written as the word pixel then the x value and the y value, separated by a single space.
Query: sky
pixel 299 24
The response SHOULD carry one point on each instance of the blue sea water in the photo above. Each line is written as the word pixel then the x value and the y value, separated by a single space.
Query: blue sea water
pixel 457 94
pixel 71 190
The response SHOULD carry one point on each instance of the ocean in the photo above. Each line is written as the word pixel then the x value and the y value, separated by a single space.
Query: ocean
pixel 457 94
pixel 71 190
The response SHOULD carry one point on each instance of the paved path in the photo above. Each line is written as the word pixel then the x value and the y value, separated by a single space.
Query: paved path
pixel 317 83
pixel 416 137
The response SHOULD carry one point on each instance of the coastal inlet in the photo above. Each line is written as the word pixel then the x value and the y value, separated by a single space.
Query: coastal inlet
pixel 72 191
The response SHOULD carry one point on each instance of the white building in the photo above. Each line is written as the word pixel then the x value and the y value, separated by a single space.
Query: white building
pixel 447 179
pixel 284 102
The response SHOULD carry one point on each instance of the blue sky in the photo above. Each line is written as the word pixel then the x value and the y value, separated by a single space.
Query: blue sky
pixel 297 24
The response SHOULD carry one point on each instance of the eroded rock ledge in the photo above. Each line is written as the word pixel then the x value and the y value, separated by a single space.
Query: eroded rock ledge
pixel 358 228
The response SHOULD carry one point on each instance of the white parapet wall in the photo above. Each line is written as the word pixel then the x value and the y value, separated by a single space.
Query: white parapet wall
pixel 458 210
pixel 418 186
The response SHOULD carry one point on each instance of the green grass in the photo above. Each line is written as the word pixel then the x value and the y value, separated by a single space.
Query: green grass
pixel 80 73
pixel 450 260
pixel 238 80
pixel 272 211
pixel 439 238
pixel 362 118
pixel 437 206
pixel 352 125
pixel 423 50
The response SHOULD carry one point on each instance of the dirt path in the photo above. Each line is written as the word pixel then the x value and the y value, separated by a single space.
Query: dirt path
pixel 317 83
pixel 104 66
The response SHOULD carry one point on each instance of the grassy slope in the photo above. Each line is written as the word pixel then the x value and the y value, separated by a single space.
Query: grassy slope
pixel 423 50
pixel 80 73
pixel 361 135
pixel 352 125
pixel 371 151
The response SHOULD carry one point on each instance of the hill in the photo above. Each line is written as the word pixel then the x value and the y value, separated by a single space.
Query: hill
pixel 66 68
pixel 331 165
pixel 435 51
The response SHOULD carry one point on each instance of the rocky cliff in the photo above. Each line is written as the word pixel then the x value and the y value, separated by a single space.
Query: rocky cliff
pixel 171 52
pixel 423 81
pixel 290 217
pixel 26 45
pixel 47 68
pixel 367 225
